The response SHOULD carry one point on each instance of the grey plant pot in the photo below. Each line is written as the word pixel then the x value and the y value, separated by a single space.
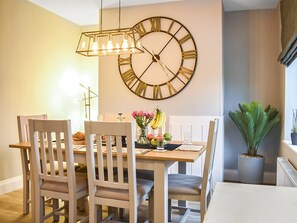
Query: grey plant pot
pixel 250 169
pixel 294 138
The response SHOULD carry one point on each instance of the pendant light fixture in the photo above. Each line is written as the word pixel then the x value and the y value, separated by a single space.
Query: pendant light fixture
pixel 109 42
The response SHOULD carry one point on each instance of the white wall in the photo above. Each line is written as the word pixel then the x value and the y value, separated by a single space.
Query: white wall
pixel 203 95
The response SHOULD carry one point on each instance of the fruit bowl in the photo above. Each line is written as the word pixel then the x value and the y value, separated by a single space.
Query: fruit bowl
pixel 159 141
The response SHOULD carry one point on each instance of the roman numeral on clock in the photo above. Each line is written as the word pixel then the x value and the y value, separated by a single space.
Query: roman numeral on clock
pixel 157 93
pixel 128 77
pixel 155 24
pixel 191 54
pixel 124 61
pixel 186 72
pixel 140 29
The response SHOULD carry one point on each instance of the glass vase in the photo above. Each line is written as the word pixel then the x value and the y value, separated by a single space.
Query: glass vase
pixel 141 135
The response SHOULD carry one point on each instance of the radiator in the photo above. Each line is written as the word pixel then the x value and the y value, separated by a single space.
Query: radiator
pixel 286 173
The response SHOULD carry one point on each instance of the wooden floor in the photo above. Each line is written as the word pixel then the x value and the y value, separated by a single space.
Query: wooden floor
pixel 11 211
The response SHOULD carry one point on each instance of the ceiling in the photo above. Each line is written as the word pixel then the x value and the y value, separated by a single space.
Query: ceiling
pixel 85 12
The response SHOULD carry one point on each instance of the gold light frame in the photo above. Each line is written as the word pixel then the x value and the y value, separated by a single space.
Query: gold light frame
pixel 109 42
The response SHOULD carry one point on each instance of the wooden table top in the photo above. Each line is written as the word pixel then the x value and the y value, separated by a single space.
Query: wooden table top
pixel 179 155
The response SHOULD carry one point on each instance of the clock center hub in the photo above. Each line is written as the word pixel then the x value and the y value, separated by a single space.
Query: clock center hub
pixel 155 58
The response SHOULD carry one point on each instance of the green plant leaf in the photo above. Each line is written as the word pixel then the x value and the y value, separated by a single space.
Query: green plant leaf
pixel 254 123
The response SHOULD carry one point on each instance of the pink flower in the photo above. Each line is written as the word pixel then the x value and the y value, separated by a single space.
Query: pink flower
pixel 152 115
pixel 134 114
pixel 142 118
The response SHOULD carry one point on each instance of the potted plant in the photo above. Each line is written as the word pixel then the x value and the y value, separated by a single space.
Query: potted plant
pixel 294 128
pixel 254 123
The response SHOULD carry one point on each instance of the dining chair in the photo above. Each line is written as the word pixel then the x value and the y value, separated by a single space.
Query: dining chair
pixel 23 130
pixel 194 188
pixel 113 191
pixel 51 141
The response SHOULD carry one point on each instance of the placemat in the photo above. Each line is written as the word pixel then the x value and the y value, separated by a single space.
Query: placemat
pixel 147 146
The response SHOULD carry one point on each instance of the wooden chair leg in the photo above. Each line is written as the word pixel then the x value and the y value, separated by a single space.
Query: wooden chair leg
pixel 203 207
pixel 39 209
pixel 151 207
pixel 98 210
pixel 55 207
pixel 113 211
pixel 132 215
pixel 26 196
pixel 72 210
pixel 81 203
pixel 169 209
pixel 66 211
pixel 122 213
pixel 93 214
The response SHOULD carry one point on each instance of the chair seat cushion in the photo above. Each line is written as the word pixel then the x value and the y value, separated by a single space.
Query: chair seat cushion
pixel 142 174
pixel 145 174
pixel 184 184
pixel 81 184
pixel 143 187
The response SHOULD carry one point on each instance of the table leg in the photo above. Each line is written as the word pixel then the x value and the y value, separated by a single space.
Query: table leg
pixel 33 214
pixel 160 192
pixel 182 169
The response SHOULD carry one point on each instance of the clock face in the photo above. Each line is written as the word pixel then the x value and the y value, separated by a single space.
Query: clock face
pixel 167 64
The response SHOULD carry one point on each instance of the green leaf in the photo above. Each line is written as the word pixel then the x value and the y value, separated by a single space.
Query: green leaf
pixel 254 123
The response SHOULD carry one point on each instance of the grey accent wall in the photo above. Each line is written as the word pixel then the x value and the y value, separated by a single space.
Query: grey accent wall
pixel 251 72
pixel 236 78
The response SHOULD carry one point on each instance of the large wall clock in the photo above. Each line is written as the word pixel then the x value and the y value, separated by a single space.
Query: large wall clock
pixel 167 64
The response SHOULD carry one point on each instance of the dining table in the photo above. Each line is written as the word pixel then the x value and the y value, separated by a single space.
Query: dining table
pixel 146 159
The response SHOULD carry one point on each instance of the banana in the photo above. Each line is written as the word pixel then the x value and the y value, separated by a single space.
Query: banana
pixel 155 120
pixel 158 120
pixel 164 119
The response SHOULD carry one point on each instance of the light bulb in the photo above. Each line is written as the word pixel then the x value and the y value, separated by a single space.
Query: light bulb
pixel 83 45
pixel 118 48
pixel 95 46
pixel 103 49
pixel 138 44
pixel 109 46
pixel 125 44
pixel 132 47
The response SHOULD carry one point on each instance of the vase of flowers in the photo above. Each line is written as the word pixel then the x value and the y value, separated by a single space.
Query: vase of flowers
pixel 142 119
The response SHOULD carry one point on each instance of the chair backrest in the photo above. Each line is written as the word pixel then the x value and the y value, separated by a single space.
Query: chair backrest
pixel 108 154
pixel 24 136
pixel 23 126
pixel 210 153
pixel 51 140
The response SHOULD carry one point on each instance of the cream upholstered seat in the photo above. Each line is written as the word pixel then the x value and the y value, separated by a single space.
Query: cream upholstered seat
pixel 184 184
pixel 194 188
pixel 113 191
pixel 68 186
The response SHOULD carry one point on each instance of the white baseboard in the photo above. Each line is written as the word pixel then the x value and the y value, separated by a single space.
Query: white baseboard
pixel 11 184
pixel 232 175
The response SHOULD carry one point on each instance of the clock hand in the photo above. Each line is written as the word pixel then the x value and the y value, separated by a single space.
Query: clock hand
pixel 143 73
pixel 164 67
pixel 169 41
